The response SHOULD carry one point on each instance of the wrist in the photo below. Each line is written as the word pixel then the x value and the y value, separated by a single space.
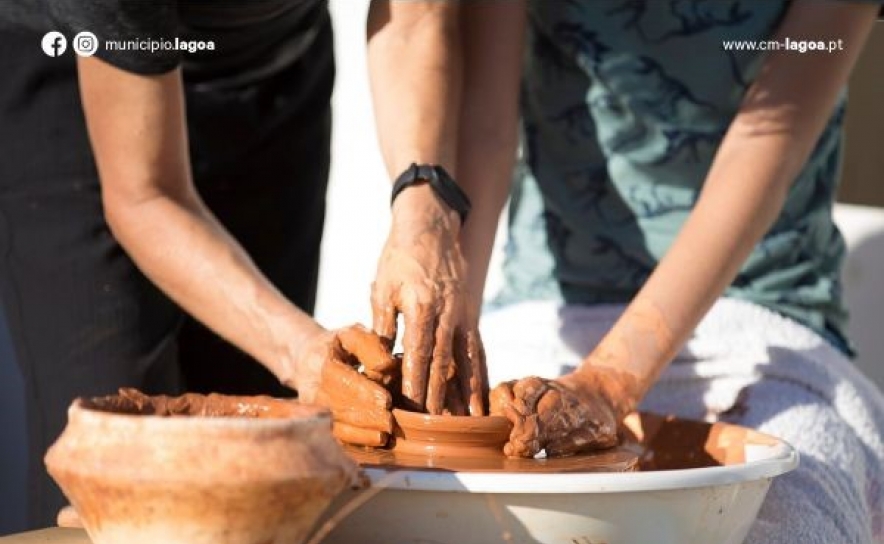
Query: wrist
pixel 439 181
pixel 292 355
pixel 621 389
pixel 419 205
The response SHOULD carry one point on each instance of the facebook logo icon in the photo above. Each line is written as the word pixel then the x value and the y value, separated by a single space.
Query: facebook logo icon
pixel 54 43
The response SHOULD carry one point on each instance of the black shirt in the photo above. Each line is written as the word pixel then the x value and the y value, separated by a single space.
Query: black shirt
pixel 252 39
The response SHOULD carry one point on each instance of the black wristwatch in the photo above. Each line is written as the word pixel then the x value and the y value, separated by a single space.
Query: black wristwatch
pixel 440 181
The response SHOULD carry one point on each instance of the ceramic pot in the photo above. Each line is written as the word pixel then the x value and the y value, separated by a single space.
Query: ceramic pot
pixel 198 469
pixel 450 436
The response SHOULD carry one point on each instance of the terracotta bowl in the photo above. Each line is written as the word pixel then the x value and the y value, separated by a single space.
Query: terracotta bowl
pixel 198 469
pixel 450 436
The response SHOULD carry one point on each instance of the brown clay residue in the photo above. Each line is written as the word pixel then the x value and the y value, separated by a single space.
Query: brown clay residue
pixel 649 442
pixel 635 347
pixel 565 416
pixel 619 388
pixel 618 459
pixel 671 443
pixel 475 444
pixel 133 402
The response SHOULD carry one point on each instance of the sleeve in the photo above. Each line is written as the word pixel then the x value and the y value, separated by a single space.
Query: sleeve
pixel 138 36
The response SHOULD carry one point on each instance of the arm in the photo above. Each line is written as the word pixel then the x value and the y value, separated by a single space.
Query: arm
pixel 421 57
pixel 493 37
pixel 780 120
pixel 138 134
pixel 137 128
pixel 766 145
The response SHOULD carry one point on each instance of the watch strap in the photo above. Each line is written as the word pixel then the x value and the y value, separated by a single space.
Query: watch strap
pixel 440 181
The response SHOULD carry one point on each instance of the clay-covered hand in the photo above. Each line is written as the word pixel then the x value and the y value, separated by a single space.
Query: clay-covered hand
pixel 421 274
pixel 329 375
pixel 565 416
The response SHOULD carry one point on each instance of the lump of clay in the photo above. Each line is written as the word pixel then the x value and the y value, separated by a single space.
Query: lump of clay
pixel 134 402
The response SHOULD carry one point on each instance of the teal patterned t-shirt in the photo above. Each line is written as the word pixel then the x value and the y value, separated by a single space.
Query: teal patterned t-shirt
pixel 624 105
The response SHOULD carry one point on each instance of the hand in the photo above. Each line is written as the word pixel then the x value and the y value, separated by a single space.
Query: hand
pixel 569 415
pixel 327 375
pixel 421 273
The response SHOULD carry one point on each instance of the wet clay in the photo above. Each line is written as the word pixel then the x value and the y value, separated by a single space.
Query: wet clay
pixel 449 436
pixel 618 459
pixel 350 434
pixel 563 417
pixel 355 384
pixel 649 442
pixel 638 345
pixel 670 443
pixel 134 402
pixel 370 352
pixel 467 443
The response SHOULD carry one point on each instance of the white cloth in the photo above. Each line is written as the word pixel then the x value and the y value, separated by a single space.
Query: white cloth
pixel 745 365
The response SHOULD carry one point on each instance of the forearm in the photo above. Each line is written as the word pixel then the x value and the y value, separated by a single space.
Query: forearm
pixel 414 61
pixel 763 151
pixel 493 36
pixel 417 62
pixel 705 257
pixel 415 66
pixel 137 130
pixel 420 57
pixel 182 249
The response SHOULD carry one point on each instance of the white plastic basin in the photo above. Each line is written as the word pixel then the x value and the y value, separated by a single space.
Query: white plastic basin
pixel 713 500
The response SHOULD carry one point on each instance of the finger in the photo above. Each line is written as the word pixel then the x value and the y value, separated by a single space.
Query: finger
pixel 417 340
pixel 508 411
pixel 528 392
pixel 442 363
pixel 362 437
pixel 371 351
pixel 454 404
pixel 559 412
pixel 565 446
pixel 383 379
pixel 345 411
pixel 339 376
pixel 469 355
pixel 528 436
pixel 69 518
pixel 525 439
pixel 501 398
pixel 383 314
pixel 564 411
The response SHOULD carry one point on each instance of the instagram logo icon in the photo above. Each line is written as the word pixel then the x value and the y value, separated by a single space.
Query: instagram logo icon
pixel 85 44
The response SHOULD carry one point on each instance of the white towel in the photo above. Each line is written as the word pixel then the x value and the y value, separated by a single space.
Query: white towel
pixel 750 366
